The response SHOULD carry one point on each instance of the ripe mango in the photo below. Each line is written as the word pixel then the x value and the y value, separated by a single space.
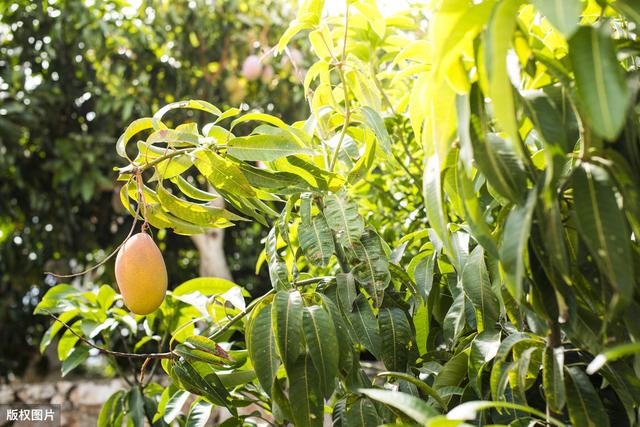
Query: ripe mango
pixel 141 274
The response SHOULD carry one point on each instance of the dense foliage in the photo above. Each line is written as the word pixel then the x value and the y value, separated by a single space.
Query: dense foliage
pixel 72 75
pixel 461 205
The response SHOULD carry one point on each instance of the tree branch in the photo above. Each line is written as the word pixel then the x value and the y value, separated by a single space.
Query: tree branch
pixel 168 355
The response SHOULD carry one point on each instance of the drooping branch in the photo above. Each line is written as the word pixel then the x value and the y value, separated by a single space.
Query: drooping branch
pixel 167 355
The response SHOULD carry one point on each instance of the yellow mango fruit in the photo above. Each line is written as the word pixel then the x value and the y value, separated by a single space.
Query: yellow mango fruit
pixel 141 274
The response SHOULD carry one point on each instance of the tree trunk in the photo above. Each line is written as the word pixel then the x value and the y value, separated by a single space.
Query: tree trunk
pixel 213 262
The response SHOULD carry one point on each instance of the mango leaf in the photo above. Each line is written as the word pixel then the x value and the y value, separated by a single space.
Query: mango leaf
pixel 364 163
pixel 222 173
pixel 286 313
pixel 135 407
pixel 564 15
pixel 553 378
pixel 278 271
pixel 396 335
pixel 135 127
pixel 603 227
pixel 198 214
pixel 110 410
pixel 484 348
pixel 343 218
pixel 316 240
pixel 410 405
pixel 585 407
pixel 173 406
pixel 373 121
pixel 424 388
pixel 514 244
pixel 454 320
pixel 372 270
pixel 199 413
pixel 265 147
pixel 307 404
pixel 611 354
pixel 630 8
pixel 474 215
pixel 601 88
pixel 469 410
pixel 77 356
pixel 499 163
pixel 346 291
pixel 361 413
pixel 365 326
pixel 477 286
pixel 210 387
pixel 320 336
pixel 499 34
pixel 262 348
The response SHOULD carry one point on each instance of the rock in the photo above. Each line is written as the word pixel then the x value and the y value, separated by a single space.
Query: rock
pixel 93 393
pixel 6 394
pixel 36 393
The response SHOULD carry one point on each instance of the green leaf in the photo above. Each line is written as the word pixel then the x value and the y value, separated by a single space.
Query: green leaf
pixel 474 214
pixel 278 272
pixel 199 414
pixel 603 227
pixel 316 240
pixel 585 407
pixel 174 405
pixel 435 204
pixel 468 410
pixel 55 327
pixel 77 356
pixel 222 173
pixel 553 378
pixel 372 270
pixel 396 335
pixel 365 326
pixel 286 315
pixel 343 218
pixel 198 214
pixel 361 413
pixel 206 286
pixel 320 336
pixel 265 147
pixel 305 395
pixel 207 385
pixel 364 163
pixel 499 163
pixel 454 320
pixel 135 407
pixel 110 409
pixel 412 406
pixel 601 88
pixel 612 354
pixel 484 348
pixel 514 244
pixel 135 127
pixel 189 104
pixel 630 8
pixel 564 15
pixel 423 275
pixel 477 286
pixel 425 389
pixel 499 34
pixel 346 291
pixel 373 121
pixel 262 349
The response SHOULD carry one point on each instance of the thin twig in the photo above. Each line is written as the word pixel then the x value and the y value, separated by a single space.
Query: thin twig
pixel 168 355
pixel 115 251
pixel 347 113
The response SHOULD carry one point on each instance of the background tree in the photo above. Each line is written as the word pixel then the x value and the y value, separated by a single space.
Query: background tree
pixel 502 289
pixel 72 76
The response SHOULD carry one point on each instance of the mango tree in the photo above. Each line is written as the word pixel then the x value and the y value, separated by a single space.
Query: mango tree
pixel 461 206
